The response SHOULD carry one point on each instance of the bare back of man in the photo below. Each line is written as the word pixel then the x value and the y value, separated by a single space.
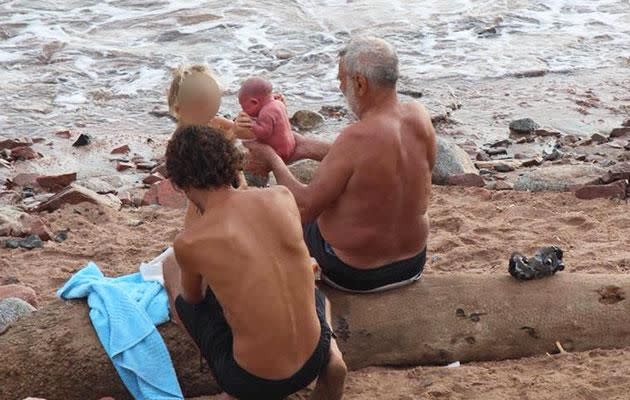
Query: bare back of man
pixel 381 216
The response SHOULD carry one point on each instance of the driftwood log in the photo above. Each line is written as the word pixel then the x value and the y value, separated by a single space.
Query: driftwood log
pixel 460 317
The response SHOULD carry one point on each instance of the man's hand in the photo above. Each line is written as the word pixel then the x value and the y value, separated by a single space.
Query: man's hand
pixel 243 127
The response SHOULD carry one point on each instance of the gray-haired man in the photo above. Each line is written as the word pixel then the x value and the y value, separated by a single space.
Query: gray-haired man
pixel 365 211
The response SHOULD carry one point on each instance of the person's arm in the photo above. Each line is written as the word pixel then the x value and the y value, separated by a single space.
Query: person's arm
pixel 190 279
pixel 329 182
pixel 263 127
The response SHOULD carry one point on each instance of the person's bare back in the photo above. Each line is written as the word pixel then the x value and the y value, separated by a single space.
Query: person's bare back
pixel 250 251
pixel 381 217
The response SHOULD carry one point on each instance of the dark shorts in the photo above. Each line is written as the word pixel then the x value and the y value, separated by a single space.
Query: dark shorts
pixel 206 324
pixel 345 277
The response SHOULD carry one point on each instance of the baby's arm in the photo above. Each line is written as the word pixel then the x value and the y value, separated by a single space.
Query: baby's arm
pixel 264 125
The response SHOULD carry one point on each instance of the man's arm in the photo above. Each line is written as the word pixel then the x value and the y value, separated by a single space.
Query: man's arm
pixel 329 182
pixel 190 279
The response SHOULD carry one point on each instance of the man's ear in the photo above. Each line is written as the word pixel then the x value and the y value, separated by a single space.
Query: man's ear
pixel 360 85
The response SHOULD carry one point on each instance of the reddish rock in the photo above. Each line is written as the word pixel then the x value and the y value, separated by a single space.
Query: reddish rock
pixel 121 150
pixel 153 178
pixel 77 195
pixel 468 180
pixel 22 180
pixel 619 132
pixel 618 172
pixel 534 162
pixel 39 140
pixel 145 165
pixel 150 196
pixel 160 169
pixel 11 144
pixel 55 183
pixel 18 291
pixel 168 196
pixel 64 134
pixel 626 123
pixel 122 166
pixel 125 198
pixel 36 226
pixel 616 190
pixel 599 138
pixel 24 153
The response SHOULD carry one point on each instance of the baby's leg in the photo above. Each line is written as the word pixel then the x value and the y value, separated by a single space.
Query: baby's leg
pixel 308 148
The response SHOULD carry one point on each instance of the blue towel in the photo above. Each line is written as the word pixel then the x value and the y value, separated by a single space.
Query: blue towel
pixel 124 312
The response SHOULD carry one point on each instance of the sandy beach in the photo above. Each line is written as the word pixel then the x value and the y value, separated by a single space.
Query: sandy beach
pixel 473 230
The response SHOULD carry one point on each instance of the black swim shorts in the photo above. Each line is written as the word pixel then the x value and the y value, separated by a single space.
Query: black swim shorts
pixel 206 324
pixel 342 276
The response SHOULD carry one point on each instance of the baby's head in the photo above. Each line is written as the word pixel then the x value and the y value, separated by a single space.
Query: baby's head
pixel 194 97
pixel 254 94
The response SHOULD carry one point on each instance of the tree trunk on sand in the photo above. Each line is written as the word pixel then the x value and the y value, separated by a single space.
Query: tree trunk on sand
pixel 444 318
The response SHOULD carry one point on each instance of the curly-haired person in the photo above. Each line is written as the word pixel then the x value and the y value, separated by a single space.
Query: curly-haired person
pixel 242 284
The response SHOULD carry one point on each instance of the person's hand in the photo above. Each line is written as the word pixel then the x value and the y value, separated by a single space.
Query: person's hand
pixel 280 97
pixel 260 157
pixel 243 127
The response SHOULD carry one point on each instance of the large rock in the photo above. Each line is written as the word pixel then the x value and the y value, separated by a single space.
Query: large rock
pixel 451 160
pixel 18 291
pixel 75 194
pixel 304 170
pixel 616 190
pixel 11 310
pixel 24 153
pixel 306 120
pixel 16 223
pixel 619 132
pixel 11 144
pixel 55 183
pixel 163 193
pixel 558 178
pixel 524 126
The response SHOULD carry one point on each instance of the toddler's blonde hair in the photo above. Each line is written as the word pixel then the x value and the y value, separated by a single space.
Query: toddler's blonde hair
pixel 189 80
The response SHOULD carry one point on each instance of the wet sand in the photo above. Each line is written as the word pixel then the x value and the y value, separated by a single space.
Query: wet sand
pixel 473 230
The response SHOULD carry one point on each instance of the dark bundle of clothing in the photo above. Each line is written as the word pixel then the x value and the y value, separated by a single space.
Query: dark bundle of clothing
pixel 546 262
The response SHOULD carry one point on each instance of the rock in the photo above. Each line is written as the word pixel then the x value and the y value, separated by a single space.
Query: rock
pixel 619 132
pixel 306 120
pixel 75 194
pixel 23 153
pixel 519 156
pixel 503 167
pixel 11 310
pixel 12 244
pixel 39 228
pixel 553 156
pixel 10 144
pixel 414 94
pixel 496 151
pixel 97 185
pixel 482 156
pixel 523 126
pixel 488 32
pixel 598 138
pixel 627 146
pixel 502 143
pixel 534 162
pixel 31 242
pixel 451 160
pixel 502 185
pixel 122 166
pixel 547 133
pixel 304 170
pixel 616 190
pixel 23 180
pixel 55 183
pixel 83 140
pixel 8 197
pixel 145 165
pixel 63 134
pixel 163 193
pixel 619 172
pixel 20 292
pixel 557 178
pixel 121 150
pixel 626 123
pixel 586 142
pixel 614 145
pixel 61 236
pixel 153 178
pixel 125 198
pixel 568 140
pixel 160 169
pixel 491 165
pixel 16 223
pixel 467 180
pixel 337 112
pixel 528 139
